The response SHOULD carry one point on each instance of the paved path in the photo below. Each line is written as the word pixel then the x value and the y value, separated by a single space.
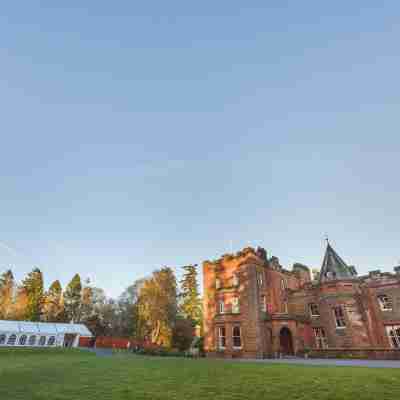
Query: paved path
pixel 328 362
pixel 101 352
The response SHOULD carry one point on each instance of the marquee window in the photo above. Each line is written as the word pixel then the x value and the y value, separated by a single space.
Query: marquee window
pixel 32 340
pixel 339 317
pixel 394 335
pixel 236 337
pixel 11 340
pixel 51 341
pixel 385 302
pixel 235 305
pixel 320 338
pixel 221 337
pixel 3 339
pixel 314 310
pixel 42 340
pixel 22 340
pixel 221 307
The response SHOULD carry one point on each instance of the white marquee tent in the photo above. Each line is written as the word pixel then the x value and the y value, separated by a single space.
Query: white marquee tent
pixel 41 334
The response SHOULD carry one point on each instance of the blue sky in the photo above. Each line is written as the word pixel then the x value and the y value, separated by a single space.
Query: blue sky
pixel 141 134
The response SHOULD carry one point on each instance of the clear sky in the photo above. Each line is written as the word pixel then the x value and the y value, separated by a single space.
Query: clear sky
pixel 141 134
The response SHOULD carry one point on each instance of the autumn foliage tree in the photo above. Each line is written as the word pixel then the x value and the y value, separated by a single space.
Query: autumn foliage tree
pixel 53 304
pixel 157 307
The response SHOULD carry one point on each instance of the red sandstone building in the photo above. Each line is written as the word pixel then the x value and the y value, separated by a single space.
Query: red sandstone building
pixel 253 307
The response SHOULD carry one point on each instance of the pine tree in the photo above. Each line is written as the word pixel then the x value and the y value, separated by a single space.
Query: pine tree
pixel 7 286
pixel 53 307
pixel 73 299
pixel 33 286
pixel 190 299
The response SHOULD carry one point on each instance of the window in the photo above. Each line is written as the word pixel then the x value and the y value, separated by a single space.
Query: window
pixel 385 302
pixel 285 307
pixel 314 310
pixel 264 303
pixel 51 341
pixel 394 335
pixel 221 306
pixel 3 339
pixel 235 305
pixel 11 340
pixel 22 340
pixel 260 279
pixel 235 280
pixel 283 284
pixel 32 340
pixel 217 283
pixel 42 340
pixel 236 338
pixel 320 338
pixel 221 337
pixel 339 317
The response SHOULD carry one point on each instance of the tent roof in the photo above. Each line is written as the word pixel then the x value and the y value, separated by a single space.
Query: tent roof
pixel 333 267
pixel 48 328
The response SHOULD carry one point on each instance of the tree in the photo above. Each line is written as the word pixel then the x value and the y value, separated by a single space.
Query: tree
pixel 73 299
pixel 53 305
pixel 128 309
pixel 190 299
pixel 182 334
pixel 7 286
pixel 33 286
pixel 157 307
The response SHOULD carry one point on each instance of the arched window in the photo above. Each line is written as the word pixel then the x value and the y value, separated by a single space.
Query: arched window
pixel 42 340
pixel 22 340
pixel 51 341
pixel 11 340
pixel 32 340
pixel 3 339
pixel 236 337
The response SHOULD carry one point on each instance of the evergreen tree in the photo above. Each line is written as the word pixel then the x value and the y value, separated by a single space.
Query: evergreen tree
pixel 53 306
pixel 190 299
pixel 7 286
pixel 33 286
pixel 73 299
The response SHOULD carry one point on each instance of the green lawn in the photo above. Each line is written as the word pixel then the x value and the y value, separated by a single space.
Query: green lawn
pixel 71 375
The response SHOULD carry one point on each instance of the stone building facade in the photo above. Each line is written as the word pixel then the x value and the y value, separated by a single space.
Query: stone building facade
pixel 255 308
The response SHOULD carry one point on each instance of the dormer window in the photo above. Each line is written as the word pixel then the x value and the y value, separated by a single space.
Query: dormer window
pixel 235 280
pixel 385 302
pixel 217 284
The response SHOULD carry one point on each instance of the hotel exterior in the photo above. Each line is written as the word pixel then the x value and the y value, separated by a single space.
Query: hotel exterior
pixel 253 307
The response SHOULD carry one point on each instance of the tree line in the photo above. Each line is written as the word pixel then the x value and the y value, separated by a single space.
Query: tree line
pixel 155 309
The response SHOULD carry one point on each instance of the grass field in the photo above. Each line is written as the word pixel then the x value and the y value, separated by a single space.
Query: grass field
pixel 72 375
